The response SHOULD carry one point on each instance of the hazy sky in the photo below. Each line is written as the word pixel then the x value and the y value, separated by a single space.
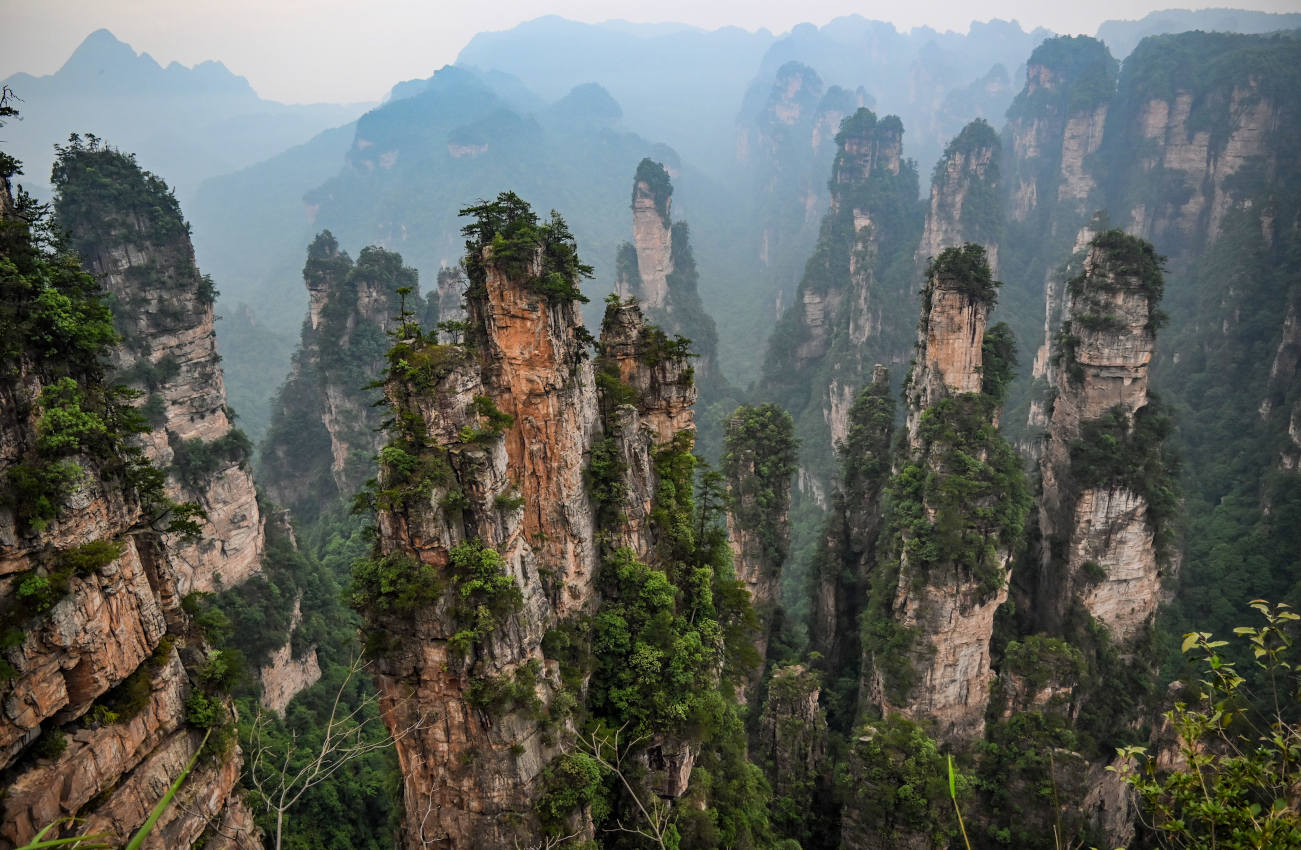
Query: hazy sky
pixel 345 50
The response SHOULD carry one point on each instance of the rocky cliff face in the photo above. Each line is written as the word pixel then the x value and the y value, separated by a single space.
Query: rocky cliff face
pixel 793 740
pixel 138 247
pixel 657 405
pixel 324 433
pixel 954 525
pixel 1205 141
pixel 99 666
pixel 651 225
pixel 515 466
pixel 1054 125
pixel 966 194
pixel 658 268
pixel 283 677
pixel 852 302
pixel 851 535
pixel 759 465
pixel 473 770
pixel 1099 529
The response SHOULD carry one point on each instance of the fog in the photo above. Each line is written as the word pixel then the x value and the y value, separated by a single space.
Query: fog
pixel 301 51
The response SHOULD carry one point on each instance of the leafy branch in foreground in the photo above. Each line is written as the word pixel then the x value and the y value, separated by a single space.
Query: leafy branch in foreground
pixel 1238 771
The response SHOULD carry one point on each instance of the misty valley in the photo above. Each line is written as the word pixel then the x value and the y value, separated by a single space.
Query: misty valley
pixel 642 436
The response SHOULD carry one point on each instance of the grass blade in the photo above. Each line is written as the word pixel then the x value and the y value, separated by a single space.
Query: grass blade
pixel 147 827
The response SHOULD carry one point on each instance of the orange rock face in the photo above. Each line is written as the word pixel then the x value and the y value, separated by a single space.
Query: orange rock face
pixel 473 771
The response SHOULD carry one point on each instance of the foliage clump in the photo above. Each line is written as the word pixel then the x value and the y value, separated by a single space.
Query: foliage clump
pixel 1236 786
pixel 963 500
pixel 1122 261
pixel 657 181
pixel 965 270
pixel 104 192
pixel 897 784
pixel 761 456
pixel 1082 74
pixel 507 235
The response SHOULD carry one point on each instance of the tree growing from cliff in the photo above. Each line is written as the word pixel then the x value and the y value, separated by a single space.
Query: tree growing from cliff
pixel 515 237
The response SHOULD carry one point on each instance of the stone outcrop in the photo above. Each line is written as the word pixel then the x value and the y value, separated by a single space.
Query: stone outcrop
pixel 324 432
pixel 505 429
pixel 163 308
pixel 651 231
pixel 658 268
pixel 850 537
pixel 1054 125
pixel 792 740
pixel 1191 146
pixel 949 357
pixel 1097 524
pixel 285 675
pixel 966 196
pixel 943 571
pixel 471 772
pixel 848 314
pixel 759 465
pixel 98 658
pixel 633 354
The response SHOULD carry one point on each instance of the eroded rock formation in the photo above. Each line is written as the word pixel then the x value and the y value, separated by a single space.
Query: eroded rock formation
pixel 138 247
pixel 958 509
pixel 100 669
pixel 1102 461
pixel 324 433
pixel 966 196
pixel 503 463
pixel 851 535
pixel 759 466
pixel 852 307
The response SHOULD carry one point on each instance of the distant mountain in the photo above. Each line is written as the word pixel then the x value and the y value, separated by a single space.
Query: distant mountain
pixel 1121 37
pixel 185 123
pixel 936 82
pixel 675 83
pixel 398 176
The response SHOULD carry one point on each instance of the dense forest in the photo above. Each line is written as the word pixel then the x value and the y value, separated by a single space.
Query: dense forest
pixel 614 497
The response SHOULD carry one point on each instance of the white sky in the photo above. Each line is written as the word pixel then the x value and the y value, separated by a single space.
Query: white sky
pixel 346 50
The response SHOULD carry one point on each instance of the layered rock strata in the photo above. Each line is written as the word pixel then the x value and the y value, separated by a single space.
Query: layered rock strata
pixel 325 428
pixel 1098 526
pixel 495 537
pixel 99 663
pixel 958 509
pixel 658 268
pixel 138 247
